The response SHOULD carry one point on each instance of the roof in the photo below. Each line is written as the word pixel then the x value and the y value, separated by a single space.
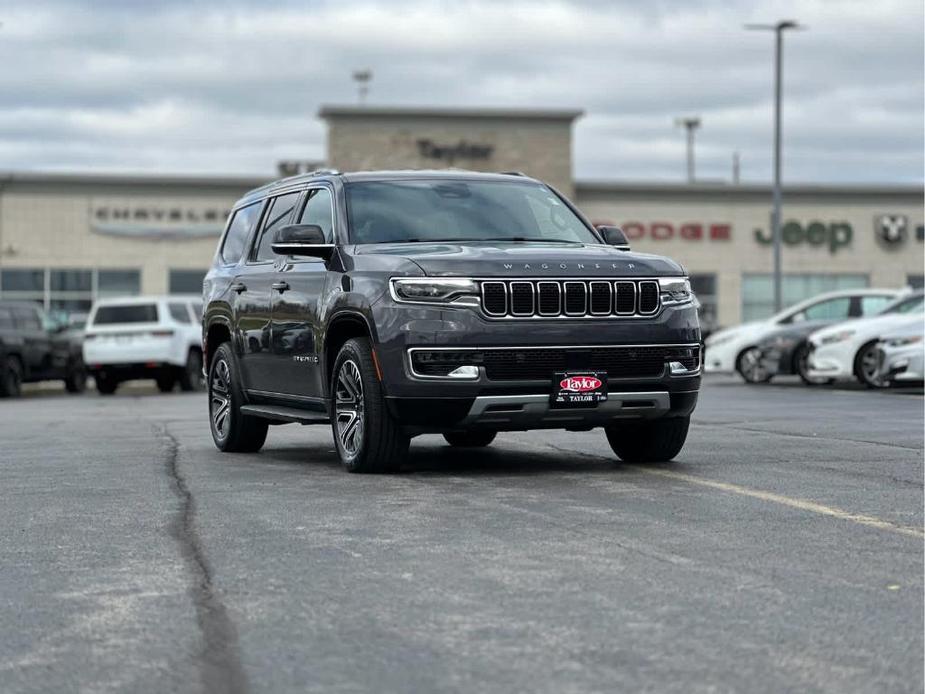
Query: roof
pixel 434 112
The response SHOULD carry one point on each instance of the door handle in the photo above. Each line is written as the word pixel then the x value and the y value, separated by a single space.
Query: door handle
pixel 238 287
pixel 280 286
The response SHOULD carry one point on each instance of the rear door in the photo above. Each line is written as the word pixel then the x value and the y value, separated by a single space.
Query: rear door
pixel 36 341
pixel 253 301
pixel 296 299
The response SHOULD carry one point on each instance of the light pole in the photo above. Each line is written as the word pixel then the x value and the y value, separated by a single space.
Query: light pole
pixel 362 78
pixel 689 124
pixel 778 30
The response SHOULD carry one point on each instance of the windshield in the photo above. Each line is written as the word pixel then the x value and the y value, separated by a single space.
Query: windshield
pixel 909 304
pixel 455 210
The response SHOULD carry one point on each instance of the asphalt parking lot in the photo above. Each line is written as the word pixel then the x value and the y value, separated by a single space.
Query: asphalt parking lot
pixel 782 551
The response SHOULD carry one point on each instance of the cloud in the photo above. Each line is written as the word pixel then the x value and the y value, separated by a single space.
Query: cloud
pixel 233 87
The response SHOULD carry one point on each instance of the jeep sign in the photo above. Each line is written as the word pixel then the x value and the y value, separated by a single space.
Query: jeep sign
pixel 834 235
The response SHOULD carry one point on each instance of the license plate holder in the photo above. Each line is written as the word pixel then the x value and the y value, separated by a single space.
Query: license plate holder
pixel 578 389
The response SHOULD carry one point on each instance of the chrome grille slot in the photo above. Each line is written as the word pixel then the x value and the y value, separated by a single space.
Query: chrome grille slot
pixel 549 298
pixel 625 298
pixel 494 298
pixel 522 298
pixel 576 298
pixel 600 298
pixel 570 298
pixel 648 297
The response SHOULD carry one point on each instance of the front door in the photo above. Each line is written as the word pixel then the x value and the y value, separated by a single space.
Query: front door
pixel 296 300
pixel 253 304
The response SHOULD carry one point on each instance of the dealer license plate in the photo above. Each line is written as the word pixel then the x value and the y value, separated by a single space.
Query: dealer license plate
pixel 578 389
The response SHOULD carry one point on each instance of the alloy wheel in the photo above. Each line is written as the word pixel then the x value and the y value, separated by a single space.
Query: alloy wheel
pixel 348 407
pixel 751 368
pixel 220 398
pixel 870 367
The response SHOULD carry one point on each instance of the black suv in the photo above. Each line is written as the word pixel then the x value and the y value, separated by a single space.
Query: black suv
pixel 33 349
pixel 392 304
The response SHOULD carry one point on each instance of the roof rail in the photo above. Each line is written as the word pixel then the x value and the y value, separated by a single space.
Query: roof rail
pixel 513 173
pixel 294 179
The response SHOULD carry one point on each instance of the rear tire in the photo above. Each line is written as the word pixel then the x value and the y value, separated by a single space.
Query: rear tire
pixel 75 380
pixel 232 431
pixel 748 364
pixel 11 378
pixel 867 367
pixel 367 438
pixel 648 441
pixel 105 385
pixel 470 439
pixel 192 379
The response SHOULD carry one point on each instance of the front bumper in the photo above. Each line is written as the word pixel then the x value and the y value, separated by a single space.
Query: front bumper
pixel 902 364
pixel 425 403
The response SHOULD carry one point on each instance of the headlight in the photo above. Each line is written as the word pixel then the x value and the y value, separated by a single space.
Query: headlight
pixel 436 290
pixel 836 337
pixel 674 290
pixel 903 341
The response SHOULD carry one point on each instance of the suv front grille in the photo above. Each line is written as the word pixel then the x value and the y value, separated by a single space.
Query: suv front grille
pixel 567 298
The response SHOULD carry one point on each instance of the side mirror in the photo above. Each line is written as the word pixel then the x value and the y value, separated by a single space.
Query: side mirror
pixel 614 236
pixel 302 239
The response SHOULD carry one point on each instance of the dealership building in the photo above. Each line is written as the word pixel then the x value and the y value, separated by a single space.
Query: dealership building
pixel 66 239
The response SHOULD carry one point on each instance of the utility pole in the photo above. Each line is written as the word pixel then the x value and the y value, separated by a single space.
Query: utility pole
pixel 362 78
pixel 689 124
pixel 736 168
pixel 776 196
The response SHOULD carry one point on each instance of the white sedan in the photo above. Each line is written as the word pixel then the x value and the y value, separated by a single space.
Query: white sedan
pixel 736 349
pixel 902 355
pixel 850 350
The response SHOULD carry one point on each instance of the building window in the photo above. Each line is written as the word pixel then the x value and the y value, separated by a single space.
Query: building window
pixel 185 281
pixel 758 290
pixel 63 291
pixel 915 281
pixel 704 287
pixel 118 282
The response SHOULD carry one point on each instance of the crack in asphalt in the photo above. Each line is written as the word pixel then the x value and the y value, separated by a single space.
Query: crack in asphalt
pixel 220 659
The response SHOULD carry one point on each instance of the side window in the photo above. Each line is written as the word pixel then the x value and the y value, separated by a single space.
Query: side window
pixel 179 313
pixel 319 210
pixel 833 309
pixel 871 305
pixel 278 216
pixel 242 224
pixel 27 318
pixel 6 318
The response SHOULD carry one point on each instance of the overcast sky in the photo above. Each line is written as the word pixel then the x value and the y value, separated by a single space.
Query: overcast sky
pixel 231 87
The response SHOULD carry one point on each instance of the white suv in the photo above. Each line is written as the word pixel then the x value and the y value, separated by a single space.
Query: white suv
pixel 143 337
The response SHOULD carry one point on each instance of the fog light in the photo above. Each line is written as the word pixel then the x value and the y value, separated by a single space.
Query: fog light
pixel 467 371
pixel 677 368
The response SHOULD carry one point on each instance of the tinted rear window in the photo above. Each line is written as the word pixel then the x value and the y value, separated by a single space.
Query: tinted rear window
pixel 130 313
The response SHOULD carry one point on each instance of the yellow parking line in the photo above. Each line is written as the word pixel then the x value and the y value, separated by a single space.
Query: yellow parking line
pixel 801 504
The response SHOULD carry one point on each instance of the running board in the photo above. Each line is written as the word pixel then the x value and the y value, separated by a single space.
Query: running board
pixel 279 413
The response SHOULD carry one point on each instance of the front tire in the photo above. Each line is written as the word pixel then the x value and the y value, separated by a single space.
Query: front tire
pixel 367 438
pixel 749 366
pixel 232 431
pixel 165 383
pixel 11 378
pixel 75 380
pixel 867 367
pixel 648 441
pixel 105 385
pixel 470 439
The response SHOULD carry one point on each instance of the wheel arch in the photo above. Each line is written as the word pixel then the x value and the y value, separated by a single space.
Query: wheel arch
pixel 217 333
pixel 343 326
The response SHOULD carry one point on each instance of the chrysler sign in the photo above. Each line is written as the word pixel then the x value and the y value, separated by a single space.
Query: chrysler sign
pixel 157 220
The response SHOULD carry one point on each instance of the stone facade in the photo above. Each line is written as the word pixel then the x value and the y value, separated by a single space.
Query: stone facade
pixel 538 143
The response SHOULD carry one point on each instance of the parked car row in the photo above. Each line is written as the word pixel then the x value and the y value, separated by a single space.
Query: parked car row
pixel 838 336
pixel 121 339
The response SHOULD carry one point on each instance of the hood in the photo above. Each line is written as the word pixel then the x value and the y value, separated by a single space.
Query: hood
pixel 873 326
pixel 524 259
